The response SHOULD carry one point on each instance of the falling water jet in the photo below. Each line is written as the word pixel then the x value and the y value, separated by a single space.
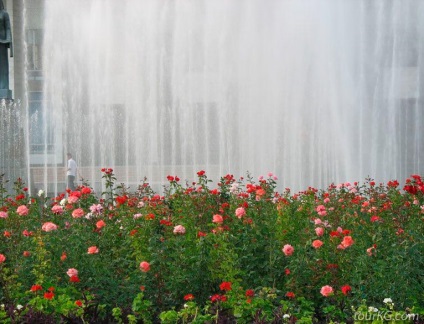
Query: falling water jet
pixel 315 91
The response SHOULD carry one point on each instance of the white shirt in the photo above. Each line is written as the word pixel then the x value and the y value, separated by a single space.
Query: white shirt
pixel 72 168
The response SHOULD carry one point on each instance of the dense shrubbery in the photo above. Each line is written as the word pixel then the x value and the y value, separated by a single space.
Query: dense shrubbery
pixel 241 252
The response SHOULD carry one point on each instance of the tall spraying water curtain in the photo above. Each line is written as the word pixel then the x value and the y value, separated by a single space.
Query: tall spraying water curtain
pixel 315 91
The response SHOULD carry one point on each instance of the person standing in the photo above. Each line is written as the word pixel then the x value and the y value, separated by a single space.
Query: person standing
pixel 71 172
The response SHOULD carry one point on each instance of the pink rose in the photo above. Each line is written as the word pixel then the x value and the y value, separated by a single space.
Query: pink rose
pixel 72 272
pixel 288 249
pixel 100 224
pixel 72 199
pixel 26 233
pixel 317 221
pixel 240 212
pixel 370 250
pixel 22 210
pixel 2 258
pixel 317 244
pixel 56 209
pixel 217 219
pixel 96 209
pixel 326 291
pixel 144 266
pixel 234 187
pixel 3 214
pixel 321 210
pixel 179 229
pixel 347 241
pixel 319 231
pixel 49 226
pixel 77 213
pixel 93 250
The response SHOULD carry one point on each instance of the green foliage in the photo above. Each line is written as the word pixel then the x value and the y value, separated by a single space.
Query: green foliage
pixel 201 254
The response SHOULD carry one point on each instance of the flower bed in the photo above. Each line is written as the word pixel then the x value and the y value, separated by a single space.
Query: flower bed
pixel 240 252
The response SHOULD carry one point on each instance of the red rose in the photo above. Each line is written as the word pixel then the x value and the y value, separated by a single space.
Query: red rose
pixel 346 289
pixel 334 234
pixel 200 234
pixel 215 298
pixel 165 222
pixel 35 288
pixel 250 293
pixel 188 297
pixel 49 295
pixel 225 286
pixel 77 193
pixel 345 232
pixel 74 279
pixel 150 216
pixel 85 190
pixel 121 199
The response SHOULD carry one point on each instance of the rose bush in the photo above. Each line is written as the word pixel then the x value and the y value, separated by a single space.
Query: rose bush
pixel 236 251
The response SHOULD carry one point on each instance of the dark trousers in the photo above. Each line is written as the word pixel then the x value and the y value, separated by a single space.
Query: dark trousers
pixel 71 185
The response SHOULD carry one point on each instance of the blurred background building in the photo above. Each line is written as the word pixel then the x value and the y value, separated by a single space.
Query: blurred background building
pixel 44 159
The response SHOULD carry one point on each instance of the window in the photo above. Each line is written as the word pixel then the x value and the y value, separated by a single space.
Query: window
pixel 37 124
pixel 34 39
